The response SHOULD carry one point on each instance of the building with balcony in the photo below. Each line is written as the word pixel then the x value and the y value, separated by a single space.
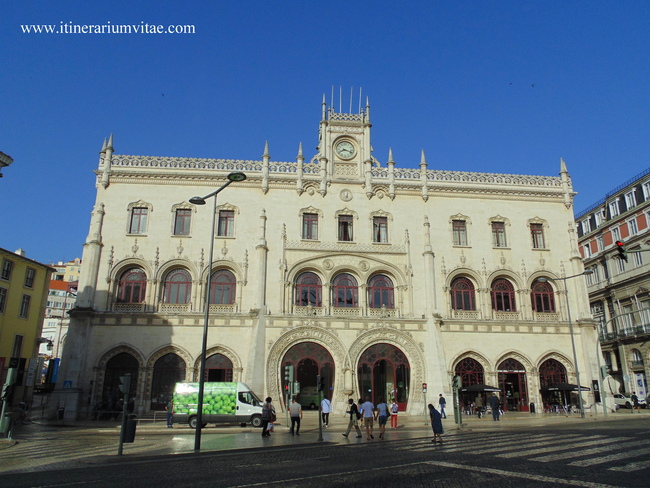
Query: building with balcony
pixel 378 278
pixel 619 290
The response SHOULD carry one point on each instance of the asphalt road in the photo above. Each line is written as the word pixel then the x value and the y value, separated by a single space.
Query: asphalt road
pixel 594 455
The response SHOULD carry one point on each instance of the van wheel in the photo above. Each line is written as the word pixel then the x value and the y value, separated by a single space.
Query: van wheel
pixel 628 405
pixel 192 423
pixel 256 421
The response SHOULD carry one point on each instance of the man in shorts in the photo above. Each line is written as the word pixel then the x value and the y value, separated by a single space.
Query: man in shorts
pixel 369 414
pixel 382 416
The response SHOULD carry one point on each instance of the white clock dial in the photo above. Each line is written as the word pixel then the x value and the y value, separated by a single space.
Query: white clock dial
pixel 345 149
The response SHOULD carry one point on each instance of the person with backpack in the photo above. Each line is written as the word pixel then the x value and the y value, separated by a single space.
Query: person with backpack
pixel 394 410
pixel 355 416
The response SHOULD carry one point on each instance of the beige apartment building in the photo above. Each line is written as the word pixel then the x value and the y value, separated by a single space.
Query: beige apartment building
pixel 379 278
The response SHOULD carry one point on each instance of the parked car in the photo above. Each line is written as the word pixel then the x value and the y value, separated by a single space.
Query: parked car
pixel 625 401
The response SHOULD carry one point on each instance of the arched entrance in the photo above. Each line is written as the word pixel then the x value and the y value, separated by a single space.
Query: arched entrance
pixel 384 372
pixel 119 365
pixel 471 373
pixel 513 384
pixel 167 371
pixel 309 360
pixel 218 368
pixel 552 372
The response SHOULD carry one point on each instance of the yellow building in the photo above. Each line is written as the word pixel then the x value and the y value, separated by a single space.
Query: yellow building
pixel 24 285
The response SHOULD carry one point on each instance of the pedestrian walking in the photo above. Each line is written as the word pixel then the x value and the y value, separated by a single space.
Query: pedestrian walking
pixel 495 406
pixel 170 412
pixel 635 403
pixel 369 412
pixel 295 411
pixel 382 416
pixel 268 416
pixel 326 408
pixel 479 406
pixel 394 410
pixel 353 411
pixel 442 403
pixel 436 423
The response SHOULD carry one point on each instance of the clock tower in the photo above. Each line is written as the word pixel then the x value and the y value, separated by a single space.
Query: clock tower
pixel 344 142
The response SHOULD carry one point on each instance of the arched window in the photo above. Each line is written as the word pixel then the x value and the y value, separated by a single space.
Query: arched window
pixel 542 297
pixel 309 290
pixel 503 296
pixel 551 372
pixel 132 286
pixel 463 296
pixel 177 286
pixel 345 292
pixel 167 371
pixel 381 292
pixel 223 286
pixel 637 357
pixel 470 372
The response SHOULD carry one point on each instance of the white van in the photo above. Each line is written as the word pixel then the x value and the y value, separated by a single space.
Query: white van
pixel 222 403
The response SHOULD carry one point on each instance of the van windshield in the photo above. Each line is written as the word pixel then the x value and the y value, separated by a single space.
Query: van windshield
pixel 249 398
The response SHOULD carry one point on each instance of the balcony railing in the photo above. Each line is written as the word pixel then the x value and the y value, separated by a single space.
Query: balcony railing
pixel 175 308
pixel 506 315
pixel 128 307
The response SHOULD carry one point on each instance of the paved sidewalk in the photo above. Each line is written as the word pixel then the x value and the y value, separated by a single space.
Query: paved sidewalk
pixel 41 444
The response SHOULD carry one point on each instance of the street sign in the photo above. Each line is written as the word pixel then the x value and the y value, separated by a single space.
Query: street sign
pixel 67 385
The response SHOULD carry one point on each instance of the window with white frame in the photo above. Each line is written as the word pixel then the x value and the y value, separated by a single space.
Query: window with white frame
pixel 646 189
pixel 30 275
pixel 3 299
pixel 7 266
pixel 600 243
pixel 600 217
pixel 620 265
pixel 24 306
pixel 590 278
pixel 587 250
pixel 630 199
pixel 632 227
pixel 380 229
pixel 613 208
pixel 638 258
pixel 616 234
pixel 586 226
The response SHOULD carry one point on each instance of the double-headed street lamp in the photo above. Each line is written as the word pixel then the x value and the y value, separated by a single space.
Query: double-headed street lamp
pixel 573 342
pixel 232 177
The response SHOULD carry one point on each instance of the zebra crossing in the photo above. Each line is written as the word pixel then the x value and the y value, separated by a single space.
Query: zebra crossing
pixel 28 455
pixel 614 453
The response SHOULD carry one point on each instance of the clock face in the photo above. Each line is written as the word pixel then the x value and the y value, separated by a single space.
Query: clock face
pixel 345 149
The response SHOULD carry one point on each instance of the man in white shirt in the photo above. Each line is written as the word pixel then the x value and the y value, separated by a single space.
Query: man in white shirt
pixel 326 408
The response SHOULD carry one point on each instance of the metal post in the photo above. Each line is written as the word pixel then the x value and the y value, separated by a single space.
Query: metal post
pixel 600 382
pixel 573 346
pixel 235 176
pixel 204 343
pixel 318 409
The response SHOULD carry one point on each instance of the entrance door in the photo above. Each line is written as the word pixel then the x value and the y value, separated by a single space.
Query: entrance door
pixel 309 360
pixel 513 384
pixel 384 372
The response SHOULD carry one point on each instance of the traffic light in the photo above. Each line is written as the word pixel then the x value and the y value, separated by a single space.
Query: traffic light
pixel 125 383
pixel 424 387
pixel 320 382
pixel 456 382
pixel 622 252
pixel 288 372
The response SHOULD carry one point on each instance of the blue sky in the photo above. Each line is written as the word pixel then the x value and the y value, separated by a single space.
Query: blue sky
pixel 454 78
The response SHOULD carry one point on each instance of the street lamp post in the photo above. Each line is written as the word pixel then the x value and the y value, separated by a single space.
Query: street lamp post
pixel 573 342
pixel 232 177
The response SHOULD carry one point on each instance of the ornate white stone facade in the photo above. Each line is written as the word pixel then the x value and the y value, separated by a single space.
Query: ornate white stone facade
pixel 423 229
